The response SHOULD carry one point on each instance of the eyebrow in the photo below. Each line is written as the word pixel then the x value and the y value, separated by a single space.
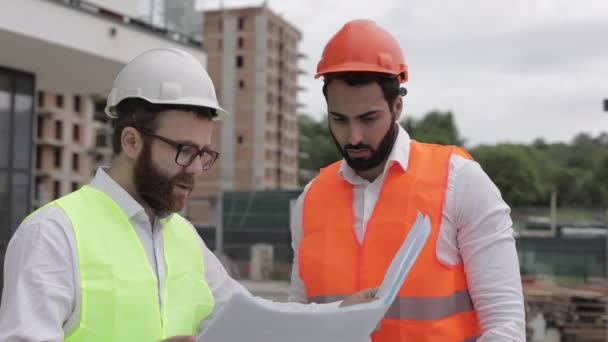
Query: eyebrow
pixel 360 116
pixel 191 143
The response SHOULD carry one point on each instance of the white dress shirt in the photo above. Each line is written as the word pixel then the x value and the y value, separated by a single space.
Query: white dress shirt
pixel 476 229
pixel 41 297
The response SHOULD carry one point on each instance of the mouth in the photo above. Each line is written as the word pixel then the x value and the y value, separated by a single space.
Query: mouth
pixel 184 187
pixel 358 153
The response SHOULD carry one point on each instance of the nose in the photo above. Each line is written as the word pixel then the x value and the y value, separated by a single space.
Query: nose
pixel 196 167
pixel 355 134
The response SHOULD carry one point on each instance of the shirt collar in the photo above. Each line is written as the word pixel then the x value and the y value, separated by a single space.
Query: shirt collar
pixel 399 154
pixel 104 183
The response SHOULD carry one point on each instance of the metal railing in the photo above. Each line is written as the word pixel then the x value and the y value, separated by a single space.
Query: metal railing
pixel 135 23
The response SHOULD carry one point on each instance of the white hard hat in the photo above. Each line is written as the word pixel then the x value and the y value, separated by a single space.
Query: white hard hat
pixel 164 76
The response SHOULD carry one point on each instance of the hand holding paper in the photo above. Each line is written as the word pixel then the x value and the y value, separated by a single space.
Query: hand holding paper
pixel 365 296
pixel 245 319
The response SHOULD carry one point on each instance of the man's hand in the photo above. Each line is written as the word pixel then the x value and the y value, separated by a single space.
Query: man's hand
pixel 364 296
pixel 180 339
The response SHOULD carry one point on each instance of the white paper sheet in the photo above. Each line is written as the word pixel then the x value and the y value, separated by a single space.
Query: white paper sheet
pixel 404 259
pixel 244 319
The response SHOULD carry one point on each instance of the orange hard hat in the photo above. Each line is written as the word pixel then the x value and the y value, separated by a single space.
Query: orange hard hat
pixel 362 45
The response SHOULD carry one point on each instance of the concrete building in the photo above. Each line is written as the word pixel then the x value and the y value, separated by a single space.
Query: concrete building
pixel 73 138
pixel 253 61
pixel 58 62
pixel 184 16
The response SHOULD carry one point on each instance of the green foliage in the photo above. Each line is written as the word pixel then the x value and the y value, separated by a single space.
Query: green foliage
pixel 317 149
pixel 435 127
pixel 516 171
pixel 525 174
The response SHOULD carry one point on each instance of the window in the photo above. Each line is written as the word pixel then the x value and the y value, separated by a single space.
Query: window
pixel 77 103
pixel 40 128
pixel 75 161
pixel 241 23
pixel 241 84
pixel 75 186
pixel 37 187
pixel 56 189
pixel 38 157
pixel 240 139
pixel 57 155
pixel 240 42
pixel 239 61
pixel 59 100
pixel 100 140
pixel 76 133
pixel 58 130
pixel 98 111
pixel 40 99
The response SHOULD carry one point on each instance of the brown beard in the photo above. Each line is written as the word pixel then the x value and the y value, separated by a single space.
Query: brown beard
pixel 156 188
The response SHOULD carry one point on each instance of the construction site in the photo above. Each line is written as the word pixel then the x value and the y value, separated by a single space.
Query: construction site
pixel 564 281
pixel 551 171
pixel 563 269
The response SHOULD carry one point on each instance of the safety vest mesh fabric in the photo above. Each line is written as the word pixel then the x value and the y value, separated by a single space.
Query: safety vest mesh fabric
pixel 119 289
pixel 434 303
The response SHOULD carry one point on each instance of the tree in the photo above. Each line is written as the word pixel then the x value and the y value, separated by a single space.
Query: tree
pixel 514 171
pixel 525 174
pixel 435 127
pixel 539 143
pixel 317 149
pixel 598 185
pixel 577 170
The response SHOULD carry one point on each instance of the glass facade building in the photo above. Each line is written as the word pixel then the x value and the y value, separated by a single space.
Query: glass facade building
pixel 16 146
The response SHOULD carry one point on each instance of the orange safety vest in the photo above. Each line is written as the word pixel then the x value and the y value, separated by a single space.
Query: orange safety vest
pixel 434 303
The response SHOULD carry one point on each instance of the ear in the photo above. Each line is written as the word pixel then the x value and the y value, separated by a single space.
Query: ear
pixel 398 107
pixel 131 142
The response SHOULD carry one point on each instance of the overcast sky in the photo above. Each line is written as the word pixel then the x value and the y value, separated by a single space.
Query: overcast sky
pixel 510 71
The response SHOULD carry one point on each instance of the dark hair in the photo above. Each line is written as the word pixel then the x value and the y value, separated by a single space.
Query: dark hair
pixel 136 112
pixel 388 83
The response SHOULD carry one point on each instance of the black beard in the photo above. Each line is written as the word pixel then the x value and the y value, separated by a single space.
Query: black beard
pixel 378 156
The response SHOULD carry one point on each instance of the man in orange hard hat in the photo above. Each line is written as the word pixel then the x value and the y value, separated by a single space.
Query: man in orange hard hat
pixel 351 219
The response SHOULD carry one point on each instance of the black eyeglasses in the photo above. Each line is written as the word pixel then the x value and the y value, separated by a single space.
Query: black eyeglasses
pixel 186 153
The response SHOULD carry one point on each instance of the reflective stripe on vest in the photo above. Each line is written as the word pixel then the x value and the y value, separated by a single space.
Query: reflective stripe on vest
pixel 434 303
pixel 418 307
pixel 119 289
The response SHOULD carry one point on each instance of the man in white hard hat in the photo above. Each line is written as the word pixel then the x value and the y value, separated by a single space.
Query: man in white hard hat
pixel 113 261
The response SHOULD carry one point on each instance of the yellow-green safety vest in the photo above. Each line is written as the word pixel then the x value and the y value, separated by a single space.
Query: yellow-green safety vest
pixel 119 289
